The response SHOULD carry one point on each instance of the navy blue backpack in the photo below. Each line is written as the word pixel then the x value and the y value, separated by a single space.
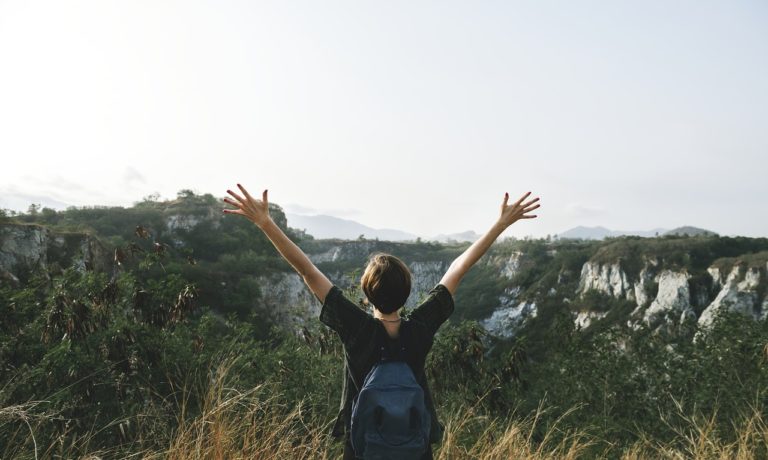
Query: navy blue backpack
pixel 389 417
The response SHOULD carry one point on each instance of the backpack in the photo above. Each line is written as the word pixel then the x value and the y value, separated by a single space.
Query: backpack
pixel 389 416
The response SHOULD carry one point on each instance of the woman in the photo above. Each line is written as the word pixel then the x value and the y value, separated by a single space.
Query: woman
pixel 386 283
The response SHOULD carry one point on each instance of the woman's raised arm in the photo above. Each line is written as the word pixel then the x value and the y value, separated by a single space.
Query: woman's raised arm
pixel 508 216
pixel 257 211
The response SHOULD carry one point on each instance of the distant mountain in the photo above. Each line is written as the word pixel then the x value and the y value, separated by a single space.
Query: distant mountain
pixel 690 231
pixel 469 236
pixel 321 226
pixel 599 233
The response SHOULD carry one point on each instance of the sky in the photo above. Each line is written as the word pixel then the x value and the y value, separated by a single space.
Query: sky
pixel 413 115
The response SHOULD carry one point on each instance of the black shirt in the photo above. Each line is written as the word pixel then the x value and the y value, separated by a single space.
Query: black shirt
pixel 362 335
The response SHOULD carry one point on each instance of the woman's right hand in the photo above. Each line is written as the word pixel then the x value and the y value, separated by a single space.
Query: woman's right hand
pixel 257 211
pixel 517 210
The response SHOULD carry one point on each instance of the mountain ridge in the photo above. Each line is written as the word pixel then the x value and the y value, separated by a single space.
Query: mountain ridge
pixel 600 232
pixel 323 226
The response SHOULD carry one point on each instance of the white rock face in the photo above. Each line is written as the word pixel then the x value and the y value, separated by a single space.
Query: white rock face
pixel 738 294
pixel 505 322
pixel 287 299
pixel 608 279
pixel 182 222
pixel 187 222
pixel 424 277
pixel 508 266
pixel 717 277
pixel 32 247
pixel 584 319
pixel 23 246
pixel 641 287
pixel 347 250
pixel 673 299
pixel 331 255
pixel 764 307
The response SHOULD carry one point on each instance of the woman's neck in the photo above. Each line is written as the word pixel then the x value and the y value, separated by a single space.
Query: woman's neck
pixel 387 317
pixel 390 321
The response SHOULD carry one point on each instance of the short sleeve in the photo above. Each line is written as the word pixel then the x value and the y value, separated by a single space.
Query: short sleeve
pixel 435 310
pixel 342 315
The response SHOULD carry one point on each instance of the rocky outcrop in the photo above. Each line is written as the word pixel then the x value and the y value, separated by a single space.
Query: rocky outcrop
pixel 347 251
pixel 506 321
pixel 24 248
pixel 584 319
pixel 287 299
pixel 609 279
pixel 738 293
pixel 183 222
pixel 666 297
pixel 673 301
pixel 508 265
pixel 643 293
pixel 660 296
pixel 424 277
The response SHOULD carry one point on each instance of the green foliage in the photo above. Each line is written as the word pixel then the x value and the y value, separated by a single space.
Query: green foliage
pixel 5 216
pixel 479 293
pixel 114 352
pixel 122 357
pixel 223 255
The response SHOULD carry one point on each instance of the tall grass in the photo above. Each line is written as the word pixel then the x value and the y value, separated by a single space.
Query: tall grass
pixel 231 423
pixel 252 424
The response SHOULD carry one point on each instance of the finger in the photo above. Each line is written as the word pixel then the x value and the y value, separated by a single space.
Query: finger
pixel 245 192
pixel 233 211
pixel 233 203
pixel 264 198
pixel 506 199
pixel 530 208
pixel 517 203
pixel 532 216
pixel 237 197
pixel 530 202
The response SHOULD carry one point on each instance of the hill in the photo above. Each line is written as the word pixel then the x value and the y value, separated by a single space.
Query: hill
pixel 599 233
pixel 321 226
pixel 690 231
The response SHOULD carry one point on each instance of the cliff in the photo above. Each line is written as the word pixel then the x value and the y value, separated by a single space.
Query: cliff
pixel 679 295
pixel 28 248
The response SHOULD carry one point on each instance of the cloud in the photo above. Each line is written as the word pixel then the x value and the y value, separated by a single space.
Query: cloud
pixel 10 198
pixel 53 191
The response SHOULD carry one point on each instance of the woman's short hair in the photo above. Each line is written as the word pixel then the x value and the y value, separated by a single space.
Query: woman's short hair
pixel 386 282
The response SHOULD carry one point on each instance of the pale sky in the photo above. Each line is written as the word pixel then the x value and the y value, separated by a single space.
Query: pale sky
pixel 412 115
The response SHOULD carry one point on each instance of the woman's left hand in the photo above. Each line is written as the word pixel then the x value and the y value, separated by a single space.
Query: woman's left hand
pixel 257 211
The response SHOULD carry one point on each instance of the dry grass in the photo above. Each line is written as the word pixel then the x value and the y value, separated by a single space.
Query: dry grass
pixel 700 440
pixel 502 440
pixel 247 425
pixel 255 424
